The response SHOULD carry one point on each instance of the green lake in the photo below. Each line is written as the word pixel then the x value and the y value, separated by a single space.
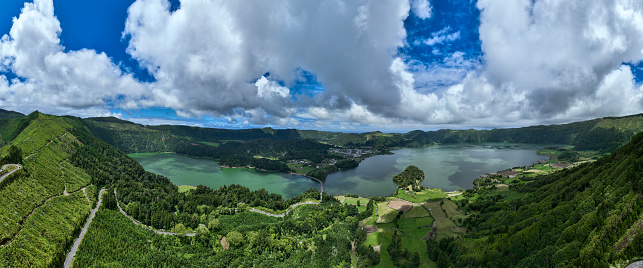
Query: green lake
pixel 448 167
pixel 183 170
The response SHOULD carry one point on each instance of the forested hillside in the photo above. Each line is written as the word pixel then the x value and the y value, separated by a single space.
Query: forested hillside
pixel 4 114
pixel 129 137
pixel 588 216
pixel 43 205
pixel 265 149
pixel 11 127
pixel 602 134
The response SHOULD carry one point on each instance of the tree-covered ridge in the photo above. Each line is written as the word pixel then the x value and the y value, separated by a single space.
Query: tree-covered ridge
pixel 42 205
pixel 10 128
pixel 13 156
pixel 129 137
pixel 4 114
pixel 263 149
pixel 411 176
pixel 602 134
pixel 588 216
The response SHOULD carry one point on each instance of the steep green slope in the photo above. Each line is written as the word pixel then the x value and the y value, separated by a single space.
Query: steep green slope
pixel 129 137
pixel 39 219
pixel 10 128
pixel 112 234
pixel 589 216
pixel 214 134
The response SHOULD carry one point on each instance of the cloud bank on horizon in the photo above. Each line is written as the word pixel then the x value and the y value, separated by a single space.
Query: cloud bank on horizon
pixel 337 64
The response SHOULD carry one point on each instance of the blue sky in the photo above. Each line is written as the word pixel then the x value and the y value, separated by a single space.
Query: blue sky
pixel 357 66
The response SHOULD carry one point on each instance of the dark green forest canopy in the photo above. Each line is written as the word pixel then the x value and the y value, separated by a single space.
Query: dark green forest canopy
pixel 411 176
pixel 4 114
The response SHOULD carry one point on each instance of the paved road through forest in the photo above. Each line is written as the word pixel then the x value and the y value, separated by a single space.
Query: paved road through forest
pixel 11 172
pixel 287 211
pixel 321 192
pixel 321 196
pixel 74 248
pixel 145 226
pixel 636 264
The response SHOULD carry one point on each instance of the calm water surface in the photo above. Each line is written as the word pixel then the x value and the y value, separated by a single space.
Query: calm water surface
pixel 449 167
pixel 183 170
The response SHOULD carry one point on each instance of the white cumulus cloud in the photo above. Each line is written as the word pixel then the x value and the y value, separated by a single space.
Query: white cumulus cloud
pixel 543 61
pixel 422 8
pixel 559 53
pixel 54 80
pixel 204 54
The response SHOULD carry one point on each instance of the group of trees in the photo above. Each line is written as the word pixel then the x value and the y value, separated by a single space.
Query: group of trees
pixel 346 164
pixel 568 156
pixel 401 256
pixel 323 172
pixel 14 156
pixel 241 160
pixel 439 251
pixel 411 176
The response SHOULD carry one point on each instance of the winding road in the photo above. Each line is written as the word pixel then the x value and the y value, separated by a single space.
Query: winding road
pixel 11 172
pixel 74 248
pixel 321 196
pixel 287 211
pixel 143 225
pixel 636 264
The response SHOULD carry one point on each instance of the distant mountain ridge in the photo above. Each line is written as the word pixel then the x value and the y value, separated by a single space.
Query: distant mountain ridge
pixel 602 134
pixel 4 114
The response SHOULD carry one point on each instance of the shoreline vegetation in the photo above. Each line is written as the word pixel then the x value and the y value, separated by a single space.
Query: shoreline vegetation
pixel 546 167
